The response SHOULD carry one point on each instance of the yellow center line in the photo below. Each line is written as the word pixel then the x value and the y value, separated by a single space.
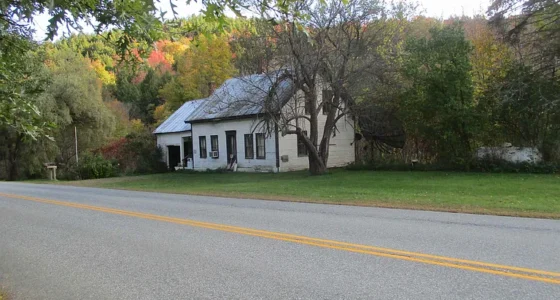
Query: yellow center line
pixel 470 265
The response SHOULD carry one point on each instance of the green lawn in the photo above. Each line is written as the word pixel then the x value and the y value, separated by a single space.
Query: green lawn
pixel 503 194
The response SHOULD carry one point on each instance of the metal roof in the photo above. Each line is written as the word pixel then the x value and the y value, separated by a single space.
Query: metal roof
pixel 176 122
pixel 245 96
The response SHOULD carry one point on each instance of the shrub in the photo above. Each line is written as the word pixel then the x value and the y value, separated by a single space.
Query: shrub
pixel 95 166
pixel 483 165
pixel 142 154
pixel 137 153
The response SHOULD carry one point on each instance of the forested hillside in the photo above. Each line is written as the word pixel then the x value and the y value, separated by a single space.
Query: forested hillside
pixel 450 86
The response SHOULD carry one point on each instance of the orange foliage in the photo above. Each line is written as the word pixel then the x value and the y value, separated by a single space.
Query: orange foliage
pixel 157 61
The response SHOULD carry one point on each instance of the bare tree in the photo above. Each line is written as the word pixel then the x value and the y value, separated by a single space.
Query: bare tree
pixel 333 60
pixel 533 27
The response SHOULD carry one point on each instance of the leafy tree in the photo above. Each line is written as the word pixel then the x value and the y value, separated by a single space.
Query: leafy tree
pixel 120 111
pixel 420 26
pixel 74 100
pixel 439 105
pixel 207 63
pixel 75 97
pixel 253 48
pixel 194 26
pixel 71 98
pixel 491 59
pixel 19 85
pixel 529 113
pixel 534 26
pixel 95 47
pixel 22 80
pixel 136 19
pixel 172 49
pixel 143 96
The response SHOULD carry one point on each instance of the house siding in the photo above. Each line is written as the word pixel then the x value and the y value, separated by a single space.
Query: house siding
pixel 242 127
pixel 171 139
pixel 341 146
pixel 341 149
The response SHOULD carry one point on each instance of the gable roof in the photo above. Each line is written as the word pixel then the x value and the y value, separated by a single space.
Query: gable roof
pixel 176 122
pixel 245 96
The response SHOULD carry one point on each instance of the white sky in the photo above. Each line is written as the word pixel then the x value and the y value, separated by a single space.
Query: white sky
pixel 432 8
pixel 446 8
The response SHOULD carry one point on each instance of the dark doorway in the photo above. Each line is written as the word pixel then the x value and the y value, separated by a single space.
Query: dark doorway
pixel 231 145
pixel 188 150
pixel 174 153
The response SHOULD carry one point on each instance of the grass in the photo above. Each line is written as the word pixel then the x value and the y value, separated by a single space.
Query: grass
pixel 526 195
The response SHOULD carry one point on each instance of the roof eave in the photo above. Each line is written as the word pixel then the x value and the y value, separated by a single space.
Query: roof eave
pixel 156 133
pixel 218 119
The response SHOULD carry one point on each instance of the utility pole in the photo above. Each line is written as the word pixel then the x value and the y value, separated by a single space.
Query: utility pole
pixel 76 142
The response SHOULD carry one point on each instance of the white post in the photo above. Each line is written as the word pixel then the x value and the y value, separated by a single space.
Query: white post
pixel 76 141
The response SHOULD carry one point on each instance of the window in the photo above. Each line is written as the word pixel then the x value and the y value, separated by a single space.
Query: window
pixel 327 101
pixel 249 150
pixel 202 146
pixel 301 149
pixel 261 151
pixel 307 106
pixel 214 144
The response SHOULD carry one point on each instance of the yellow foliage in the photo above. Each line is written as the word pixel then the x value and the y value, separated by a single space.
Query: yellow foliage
pixel 489 56
pixel 161 113
pixel 106 77
pixel 172 49
pixel 207 62
pixel 136 126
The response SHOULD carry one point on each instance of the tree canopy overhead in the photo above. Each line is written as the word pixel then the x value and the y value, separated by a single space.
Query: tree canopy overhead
pixel 533 26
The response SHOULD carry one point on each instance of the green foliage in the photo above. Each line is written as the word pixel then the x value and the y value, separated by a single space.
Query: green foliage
pixel 476 166
pixel 23 124
pixel 196 25
pixel 143 96
pixel 461 90
pixel 135 19
pixel 74 100
pixel 254 49
pixel 529 113
pixel 439 105
pixel 94 47
pixel 21 80
pixel 136 153
pixel 95 166
pixel 142 155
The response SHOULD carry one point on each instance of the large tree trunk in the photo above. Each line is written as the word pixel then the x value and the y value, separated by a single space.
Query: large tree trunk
pixel 13 160
pixel 316 166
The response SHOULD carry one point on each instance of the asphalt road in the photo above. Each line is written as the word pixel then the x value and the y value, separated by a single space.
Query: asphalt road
pixel 49 250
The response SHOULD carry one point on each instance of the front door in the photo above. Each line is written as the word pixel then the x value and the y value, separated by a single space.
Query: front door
pixel 231 145
pixel 174 156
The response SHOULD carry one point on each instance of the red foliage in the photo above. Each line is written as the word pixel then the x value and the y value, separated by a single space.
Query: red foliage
pixel 157 61
pixel 114 150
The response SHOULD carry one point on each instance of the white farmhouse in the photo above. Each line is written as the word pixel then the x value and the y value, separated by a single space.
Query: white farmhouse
pixel 174 134
pixel 229 125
